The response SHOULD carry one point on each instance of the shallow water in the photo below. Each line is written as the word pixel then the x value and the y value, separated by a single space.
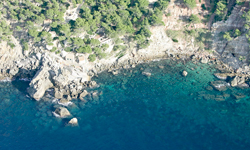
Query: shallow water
pixel 163 111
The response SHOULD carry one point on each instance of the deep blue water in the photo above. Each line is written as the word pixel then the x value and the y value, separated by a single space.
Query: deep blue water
pixel 163 112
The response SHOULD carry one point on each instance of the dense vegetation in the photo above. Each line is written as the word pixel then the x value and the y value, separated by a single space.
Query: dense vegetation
pixel 115 19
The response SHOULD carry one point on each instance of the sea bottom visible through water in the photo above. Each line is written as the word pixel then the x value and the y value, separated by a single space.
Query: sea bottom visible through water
pixel 165 111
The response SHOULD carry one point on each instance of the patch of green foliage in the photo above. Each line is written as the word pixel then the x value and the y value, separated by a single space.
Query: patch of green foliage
pixel 194 19
pixel 175 40
pixel 92 57
pixel 227 36
pixel 112 18
pixel 190 3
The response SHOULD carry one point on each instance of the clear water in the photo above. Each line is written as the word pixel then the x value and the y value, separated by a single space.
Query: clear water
pixel 163 112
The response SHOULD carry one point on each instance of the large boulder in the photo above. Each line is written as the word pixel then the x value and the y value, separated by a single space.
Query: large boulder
pixel 62 112
pixel 83 94
pixel 237 81
pixel 40 83
pixel 73 122
pixel 58 93
pixel 220 85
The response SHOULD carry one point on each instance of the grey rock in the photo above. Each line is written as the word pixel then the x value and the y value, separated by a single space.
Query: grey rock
pixel 39 84
pixel 237 81
pixel 204 60
pixel 83 94
pixel 58 94
pixel 73 122
pixel 184 73
pixel 74 94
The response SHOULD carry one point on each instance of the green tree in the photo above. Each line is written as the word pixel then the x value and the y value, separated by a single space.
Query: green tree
pixel 84 49
pixel 92 57
pixel 194 19
pixel 221 9
pixel 33 32
pixel 64 29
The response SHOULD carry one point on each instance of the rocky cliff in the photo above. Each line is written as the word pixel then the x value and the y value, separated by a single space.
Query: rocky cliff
pixel 235 53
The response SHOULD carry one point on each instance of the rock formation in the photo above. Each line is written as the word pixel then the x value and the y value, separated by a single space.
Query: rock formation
pixel 62 112
pixel 73 122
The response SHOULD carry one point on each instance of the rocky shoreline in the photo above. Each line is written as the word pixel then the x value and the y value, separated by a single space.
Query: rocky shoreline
pixel 68 86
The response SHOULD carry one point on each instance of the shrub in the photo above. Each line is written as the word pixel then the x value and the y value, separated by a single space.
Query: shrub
pixel 203 6
pixel 172 33
pixel 92 57
pixel 53 49
pixel 194 19
pixel 237 32
pixel 11 45
pixel 25 46
pixel 227 36
pixel 102 55
pixel 175 40
pixel 190 3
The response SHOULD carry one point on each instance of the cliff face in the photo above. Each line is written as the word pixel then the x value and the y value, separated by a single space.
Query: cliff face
pixel 8 56
pixel 235 53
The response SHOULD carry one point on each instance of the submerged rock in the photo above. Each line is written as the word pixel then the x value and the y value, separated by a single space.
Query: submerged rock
pixel 184 73
pixel 243 86
pixel 220 85
pixel 221 76
pixel 238 95
pixel 148 74
pixel 61 112
pixel 73 122
pixel 95 96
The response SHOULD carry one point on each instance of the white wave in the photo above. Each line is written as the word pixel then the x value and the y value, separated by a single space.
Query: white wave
pixel 65 104
pixel 6 80
pixel 55 114
pixel 25 79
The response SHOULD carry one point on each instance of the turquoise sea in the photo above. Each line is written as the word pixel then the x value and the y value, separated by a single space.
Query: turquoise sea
pixel 165 111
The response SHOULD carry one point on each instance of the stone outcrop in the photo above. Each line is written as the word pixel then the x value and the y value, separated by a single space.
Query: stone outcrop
pixel 237 81
pixel 40 83
pixel 62 112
